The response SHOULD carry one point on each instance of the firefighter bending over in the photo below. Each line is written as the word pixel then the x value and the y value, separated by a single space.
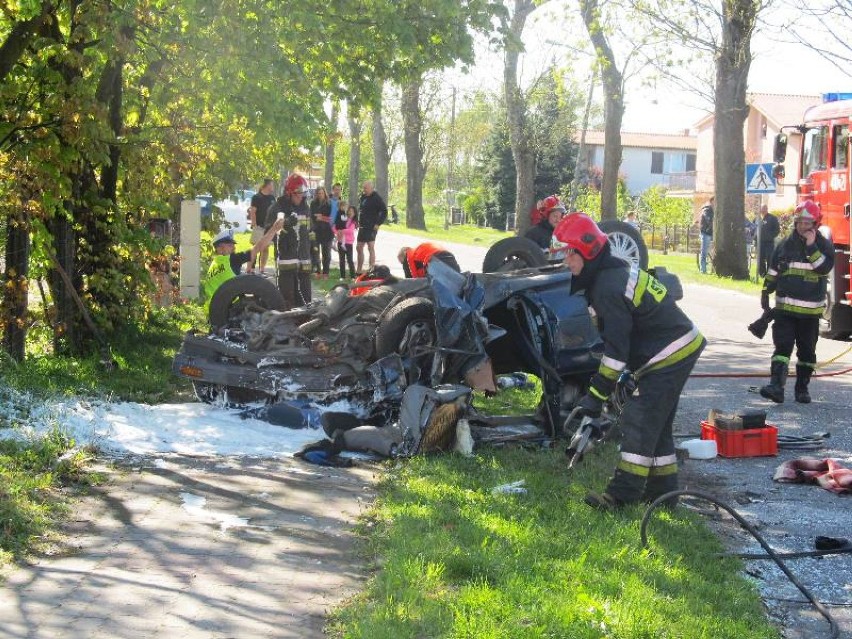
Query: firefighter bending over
pixel 227 262
pixel 415 260
pixel 643 331
pixel 797 275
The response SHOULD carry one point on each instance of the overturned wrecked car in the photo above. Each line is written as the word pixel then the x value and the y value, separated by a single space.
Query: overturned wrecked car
pixel 367 349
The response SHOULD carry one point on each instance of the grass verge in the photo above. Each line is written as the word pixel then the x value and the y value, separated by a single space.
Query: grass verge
pixel 33 478
pixel 455 559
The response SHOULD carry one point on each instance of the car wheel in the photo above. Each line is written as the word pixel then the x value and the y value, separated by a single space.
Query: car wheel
pixel 407 329
pixel 242 293
pixel 513 253
pixel 626 242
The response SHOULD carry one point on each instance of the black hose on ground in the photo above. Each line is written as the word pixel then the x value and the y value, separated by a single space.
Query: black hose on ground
pixel 663 499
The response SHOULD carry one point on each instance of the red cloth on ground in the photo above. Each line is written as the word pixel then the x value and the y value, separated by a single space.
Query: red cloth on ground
pixel 828 473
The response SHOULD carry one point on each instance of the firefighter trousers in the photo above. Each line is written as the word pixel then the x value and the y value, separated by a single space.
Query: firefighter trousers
pixel 799 330
pixel 647 467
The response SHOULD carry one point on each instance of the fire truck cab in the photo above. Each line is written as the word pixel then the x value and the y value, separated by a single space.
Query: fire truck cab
pixel 824 177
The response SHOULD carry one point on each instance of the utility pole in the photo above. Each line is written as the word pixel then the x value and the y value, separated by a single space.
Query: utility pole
pixel 450 158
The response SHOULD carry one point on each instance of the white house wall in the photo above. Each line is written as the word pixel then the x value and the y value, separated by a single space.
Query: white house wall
pixel 636 166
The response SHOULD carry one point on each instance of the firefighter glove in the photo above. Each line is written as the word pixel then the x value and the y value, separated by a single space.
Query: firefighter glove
pixel 590 405
pixel 764 300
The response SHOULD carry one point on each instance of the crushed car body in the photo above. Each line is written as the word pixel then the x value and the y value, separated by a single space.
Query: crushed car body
pixel 445 329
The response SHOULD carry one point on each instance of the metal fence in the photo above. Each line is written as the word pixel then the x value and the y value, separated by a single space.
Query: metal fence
pixel 671 237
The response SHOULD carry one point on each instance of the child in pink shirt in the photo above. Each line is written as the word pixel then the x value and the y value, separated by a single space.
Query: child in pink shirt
pixel 346 226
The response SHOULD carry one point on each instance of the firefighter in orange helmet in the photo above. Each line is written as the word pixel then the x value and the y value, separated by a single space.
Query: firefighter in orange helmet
pixel 643 332
pixel 415 260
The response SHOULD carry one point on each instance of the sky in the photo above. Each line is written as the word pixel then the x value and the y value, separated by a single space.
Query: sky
pixel 777 67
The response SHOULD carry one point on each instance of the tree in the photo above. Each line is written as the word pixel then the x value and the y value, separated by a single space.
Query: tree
pixel 516 116
pixel 413 125
pixel 613 84
pixel 720 31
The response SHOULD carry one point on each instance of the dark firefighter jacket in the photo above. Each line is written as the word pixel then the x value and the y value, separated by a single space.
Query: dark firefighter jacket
pixel 642 328
pixel 541 234
pixel 293 247
pixel 797 275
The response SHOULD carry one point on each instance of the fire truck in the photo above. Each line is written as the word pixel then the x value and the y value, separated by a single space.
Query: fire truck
pixel 823 176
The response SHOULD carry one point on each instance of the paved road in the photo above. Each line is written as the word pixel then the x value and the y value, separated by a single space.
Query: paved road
pixel 146 561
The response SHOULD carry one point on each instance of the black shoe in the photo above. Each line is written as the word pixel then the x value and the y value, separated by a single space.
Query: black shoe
pixel 603 501
pixel 803 396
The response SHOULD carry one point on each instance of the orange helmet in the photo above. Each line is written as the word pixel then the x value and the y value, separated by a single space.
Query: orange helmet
pixel 295 184
pixel 579 232
pixel 808 210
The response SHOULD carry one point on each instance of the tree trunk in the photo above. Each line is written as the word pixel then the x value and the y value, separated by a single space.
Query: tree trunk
pixel 66 338
pixel 412 121
pixel 330 141
pixel 732 67
pixel 519 135
pixel 14 293
pixel 613 85
pixel 381 154
pixel 354 155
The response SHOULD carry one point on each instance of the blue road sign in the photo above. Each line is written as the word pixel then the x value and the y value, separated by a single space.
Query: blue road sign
pixel 759 178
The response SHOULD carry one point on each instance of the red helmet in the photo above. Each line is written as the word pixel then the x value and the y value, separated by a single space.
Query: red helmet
pixel 295 184
pixel 550 203
pixel 808 210
pixel 579 232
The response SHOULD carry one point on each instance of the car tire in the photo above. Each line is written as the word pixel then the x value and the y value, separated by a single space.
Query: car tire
pixel 409 324
pixel 513 253
pixel 240 293
pixel 626 242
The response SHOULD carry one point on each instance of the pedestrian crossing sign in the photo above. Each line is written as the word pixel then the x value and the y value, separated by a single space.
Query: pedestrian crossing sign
pixel 759 178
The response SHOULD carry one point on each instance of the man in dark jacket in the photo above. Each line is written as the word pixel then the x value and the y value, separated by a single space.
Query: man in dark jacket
pixel 645 332
pixel 372 213
pixel 293 248
pixel 705 227
pixel 797 275
pixel 552 210
pixel 767 231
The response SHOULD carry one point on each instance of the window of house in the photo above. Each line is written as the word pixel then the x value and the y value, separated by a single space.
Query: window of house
pixel 840 139
pixel 656 162
pixel 690 162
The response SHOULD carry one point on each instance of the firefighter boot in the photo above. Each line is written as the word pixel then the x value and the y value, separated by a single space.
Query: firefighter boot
pixel 658 485
pixel 774 390
pixel 803 377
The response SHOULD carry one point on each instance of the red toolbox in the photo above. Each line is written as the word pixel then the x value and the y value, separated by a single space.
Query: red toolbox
pixel 752 442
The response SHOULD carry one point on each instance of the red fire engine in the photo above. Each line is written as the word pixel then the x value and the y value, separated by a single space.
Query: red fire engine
pixel 824 178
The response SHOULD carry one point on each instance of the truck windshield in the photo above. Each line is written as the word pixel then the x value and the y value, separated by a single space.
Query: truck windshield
pixel 815 150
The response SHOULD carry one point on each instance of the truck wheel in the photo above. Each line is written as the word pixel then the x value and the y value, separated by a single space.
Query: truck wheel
pixel 836 320
pixel 513 253
pixel 408 327
pixel 626 242
pixel 240 294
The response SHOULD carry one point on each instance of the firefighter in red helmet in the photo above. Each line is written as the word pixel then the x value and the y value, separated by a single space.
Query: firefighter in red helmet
pixel 644 332
pixel 293 247
pixel 552 211
pixel 797 274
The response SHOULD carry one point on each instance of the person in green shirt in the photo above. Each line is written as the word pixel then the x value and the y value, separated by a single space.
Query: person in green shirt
pixel 227 262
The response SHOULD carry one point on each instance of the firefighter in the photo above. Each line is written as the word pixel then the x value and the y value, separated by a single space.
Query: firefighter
pixel 293 248
pixel 797 275
pixel 645 332
pixel 415 260
pixel 551 211
pixel 227 262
